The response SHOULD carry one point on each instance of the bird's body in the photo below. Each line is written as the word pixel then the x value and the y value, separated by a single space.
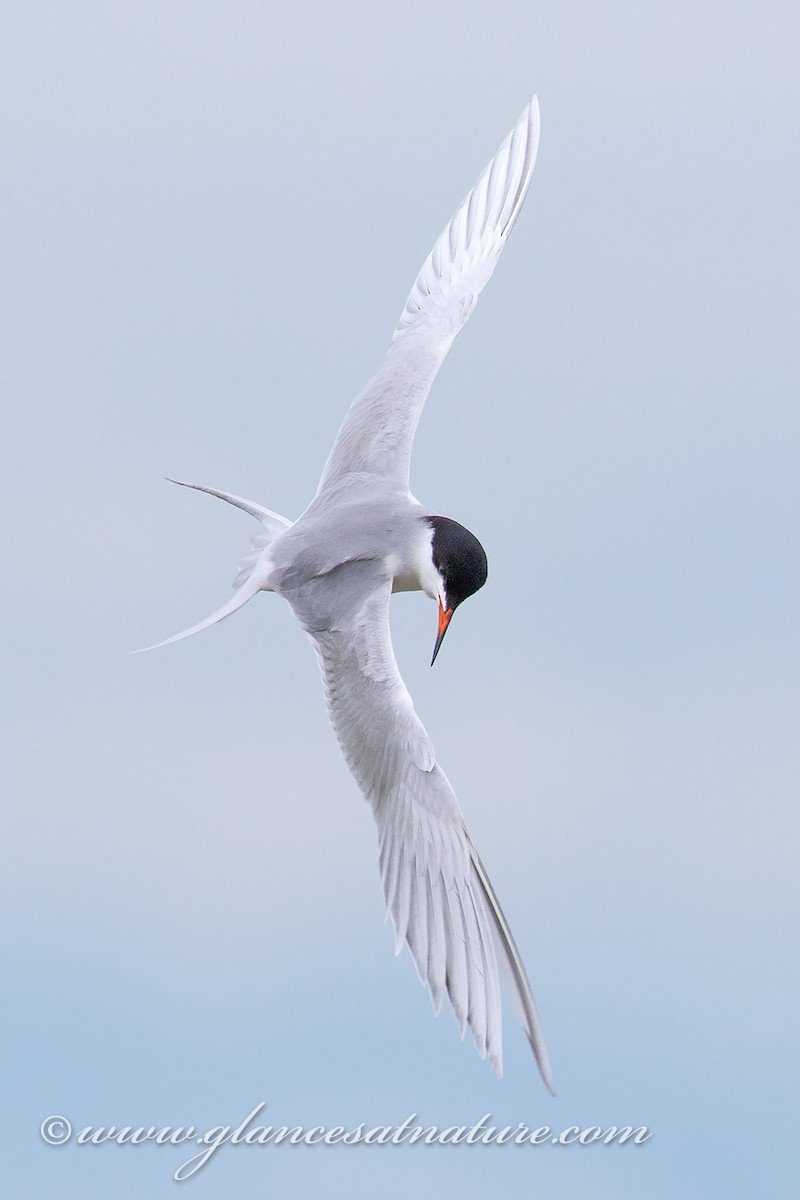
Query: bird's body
pixel 363 536
pixel 356 519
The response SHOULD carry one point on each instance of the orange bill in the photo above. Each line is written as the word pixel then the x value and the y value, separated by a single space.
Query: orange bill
pixel 445 617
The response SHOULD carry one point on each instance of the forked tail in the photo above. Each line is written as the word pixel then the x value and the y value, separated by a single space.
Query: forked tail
pixel 248 581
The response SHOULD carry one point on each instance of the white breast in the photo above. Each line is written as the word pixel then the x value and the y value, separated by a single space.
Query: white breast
pixel 415 572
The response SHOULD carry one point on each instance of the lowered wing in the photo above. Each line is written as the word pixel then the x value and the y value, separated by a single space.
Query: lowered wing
pixel 437 892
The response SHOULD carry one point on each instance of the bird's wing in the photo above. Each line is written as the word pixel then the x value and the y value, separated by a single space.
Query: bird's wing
pixel 379 428
pixel 437 891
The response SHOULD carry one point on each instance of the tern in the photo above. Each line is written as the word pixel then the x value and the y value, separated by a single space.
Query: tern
pixel 364 536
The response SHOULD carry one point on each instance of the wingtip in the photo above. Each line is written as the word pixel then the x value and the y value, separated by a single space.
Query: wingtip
pixel 548 1083
pixel 531 115
pixel 536 121
pixel 543 1063
pixel 535 125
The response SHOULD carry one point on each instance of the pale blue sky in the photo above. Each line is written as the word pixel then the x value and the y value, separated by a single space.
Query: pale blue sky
pixel 212 215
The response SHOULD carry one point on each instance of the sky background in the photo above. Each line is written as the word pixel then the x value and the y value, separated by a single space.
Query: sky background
pixel 212 214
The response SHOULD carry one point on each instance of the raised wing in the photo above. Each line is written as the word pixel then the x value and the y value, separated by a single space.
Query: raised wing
pixel 378 431
pixel 437 891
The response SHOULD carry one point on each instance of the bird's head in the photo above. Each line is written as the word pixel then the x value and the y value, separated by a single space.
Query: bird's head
pixel 462 567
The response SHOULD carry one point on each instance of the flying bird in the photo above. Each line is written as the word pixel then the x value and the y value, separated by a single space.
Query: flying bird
pixel 364 536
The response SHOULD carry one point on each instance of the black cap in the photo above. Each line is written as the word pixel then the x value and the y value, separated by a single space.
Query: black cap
pixel 459 558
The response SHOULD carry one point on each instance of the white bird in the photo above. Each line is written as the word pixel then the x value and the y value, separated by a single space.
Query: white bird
pixel 364 536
